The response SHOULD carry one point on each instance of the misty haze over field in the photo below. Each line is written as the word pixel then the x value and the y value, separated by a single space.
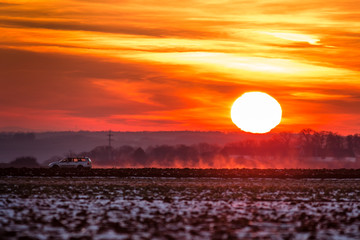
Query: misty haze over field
pixel 45 145
pixel 307 149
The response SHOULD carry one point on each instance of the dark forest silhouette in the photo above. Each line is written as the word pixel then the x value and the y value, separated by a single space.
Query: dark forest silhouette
pixel 307 149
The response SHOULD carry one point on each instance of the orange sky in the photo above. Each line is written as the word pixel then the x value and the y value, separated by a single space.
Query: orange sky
pixel 177 65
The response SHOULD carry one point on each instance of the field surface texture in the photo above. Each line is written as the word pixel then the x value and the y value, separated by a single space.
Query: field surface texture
pixel 183 173
pixel 178 208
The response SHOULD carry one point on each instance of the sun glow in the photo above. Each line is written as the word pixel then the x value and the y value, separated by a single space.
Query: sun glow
pixel 256 112
pixel 296 37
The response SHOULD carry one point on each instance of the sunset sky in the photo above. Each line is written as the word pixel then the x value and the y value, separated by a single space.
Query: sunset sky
pixel 177 65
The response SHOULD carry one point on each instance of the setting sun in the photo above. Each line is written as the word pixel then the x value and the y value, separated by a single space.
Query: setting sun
pixel 256 112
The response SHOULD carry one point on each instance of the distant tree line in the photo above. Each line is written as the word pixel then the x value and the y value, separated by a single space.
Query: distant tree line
pixel 17 136
pixel 306 149
pixel 307 143
pixel 20 162
pixel 156 156
pixel 329 144
pixel 300 148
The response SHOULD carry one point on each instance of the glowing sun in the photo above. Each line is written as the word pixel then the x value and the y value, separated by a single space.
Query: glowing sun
pixel 256 112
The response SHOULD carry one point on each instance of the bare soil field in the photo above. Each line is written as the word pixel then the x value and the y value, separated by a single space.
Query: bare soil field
pixel 178 208
pixel 183 172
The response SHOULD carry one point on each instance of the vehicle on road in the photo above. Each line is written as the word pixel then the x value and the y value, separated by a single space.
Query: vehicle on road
pixel 72 162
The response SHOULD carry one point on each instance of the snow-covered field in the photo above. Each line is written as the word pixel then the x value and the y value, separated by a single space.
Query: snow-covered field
pixel 169 208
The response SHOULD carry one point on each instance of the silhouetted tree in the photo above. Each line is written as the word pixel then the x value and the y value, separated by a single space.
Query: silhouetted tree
pixel 187 155
pixel 208 152
pixel 28 161
pixel 103 155
pixel 163 155
pixel 349 146
pixel 306 142
pixel 334 145
pixel 356 145
pixel 139 157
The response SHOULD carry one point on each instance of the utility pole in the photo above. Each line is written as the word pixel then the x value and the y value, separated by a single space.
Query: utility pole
pixel 110 148
pixel 110 138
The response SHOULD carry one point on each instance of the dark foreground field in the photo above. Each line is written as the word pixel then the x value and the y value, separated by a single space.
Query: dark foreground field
pixel 184 173
pixel 69 207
